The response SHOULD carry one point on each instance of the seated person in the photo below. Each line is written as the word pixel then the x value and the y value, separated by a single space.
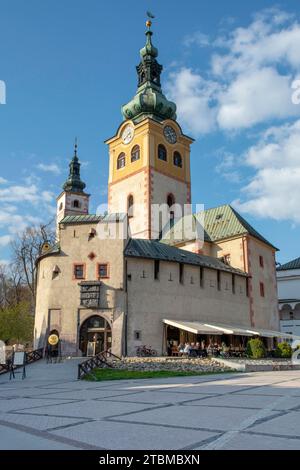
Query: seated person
pixel 187 348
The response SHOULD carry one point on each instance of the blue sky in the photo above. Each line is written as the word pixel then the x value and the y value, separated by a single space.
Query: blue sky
pixel 69 65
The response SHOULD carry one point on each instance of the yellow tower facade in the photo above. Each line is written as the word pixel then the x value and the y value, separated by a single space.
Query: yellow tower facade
pixel 149 157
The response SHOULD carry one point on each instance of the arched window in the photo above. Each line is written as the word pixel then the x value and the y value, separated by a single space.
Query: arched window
pixel 162 152
pixel 130 203
pixel 60 206
pixel 121 161
pixel 76 203
pixel 177 160
pixel 135 153
pixel 170 200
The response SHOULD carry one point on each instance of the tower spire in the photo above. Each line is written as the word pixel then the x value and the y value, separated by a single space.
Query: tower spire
pixel 74 183
pixel 149 100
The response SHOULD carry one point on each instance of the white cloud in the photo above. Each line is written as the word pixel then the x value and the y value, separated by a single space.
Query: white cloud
pixel 5 240
pixel 4 262
pixel 256 96
pixel 51 168
pixel 227 168
pixel 15 223
pixel 19 193
pixel 193 96
pixel 3 180
pixel 249 79
pixel 274 190
pixel 197 38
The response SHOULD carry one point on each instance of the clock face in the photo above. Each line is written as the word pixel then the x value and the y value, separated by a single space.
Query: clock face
pixel 170 134
pixel 127 134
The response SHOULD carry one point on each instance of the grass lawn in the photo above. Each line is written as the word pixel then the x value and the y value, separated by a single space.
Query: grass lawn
pixel 121 374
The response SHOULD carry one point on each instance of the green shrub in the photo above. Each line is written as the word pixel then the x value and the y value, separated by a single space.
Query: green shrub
pixel 283 350
pixel 256 348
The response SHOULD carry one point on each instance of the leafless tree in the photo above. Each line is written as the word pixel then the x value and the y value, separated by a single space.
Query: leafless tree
pixel 26 248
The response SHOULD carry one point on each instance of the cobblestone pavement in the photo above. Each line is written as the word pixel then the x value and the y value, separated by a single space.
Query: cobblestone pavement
pixel 50 409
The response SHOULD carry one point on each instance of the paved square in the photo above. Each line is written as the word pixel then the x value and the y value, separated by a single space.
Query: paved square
pixel 50 409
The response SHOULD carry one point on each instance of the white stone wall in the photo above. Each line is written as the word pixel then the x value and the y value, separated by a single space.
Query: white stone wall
pixel 150 301
pixel 136 185
pixel 288 284
pixel 58 298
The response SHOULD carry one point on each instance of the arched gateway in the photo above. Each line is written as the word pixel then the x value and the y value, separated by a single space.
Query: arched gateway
pixel 94 336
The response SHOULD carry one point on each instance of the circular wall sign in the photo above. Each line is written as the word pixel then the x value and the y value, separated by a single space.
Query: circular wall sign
pixel 53 340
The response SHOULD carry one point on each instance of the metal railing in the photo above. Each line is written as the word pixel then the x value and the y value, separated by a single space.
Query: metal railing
pixel 30 357
pixel 94 362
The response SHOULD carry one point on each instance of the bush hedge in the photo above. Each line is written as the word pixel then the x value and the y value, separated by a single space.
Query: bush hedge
pixel 283 349
pixel 256 348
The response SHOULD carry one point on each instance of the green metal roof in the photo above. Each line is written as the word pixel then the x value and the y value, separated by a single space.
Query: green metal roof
pixel 91 218
pixel 150 249
pixel 219 223
pixel 149 100
pixel 294 264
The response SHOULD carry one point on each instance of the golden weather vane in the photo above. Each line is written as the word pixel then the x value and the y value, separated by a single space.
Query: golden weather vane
pixel 150 16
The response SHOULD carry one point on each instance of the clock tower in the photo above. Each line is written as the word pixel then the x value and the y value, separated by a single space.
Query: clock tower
pixel 149 157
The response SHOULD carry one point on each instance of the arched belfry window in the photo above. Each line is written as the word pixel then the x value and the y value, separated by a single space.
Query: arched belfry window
pixel 130 203
pixel 162 152
pixel 177 160
pixel 121 161
pixel 170 200
pixel 76 203
pixel 135 153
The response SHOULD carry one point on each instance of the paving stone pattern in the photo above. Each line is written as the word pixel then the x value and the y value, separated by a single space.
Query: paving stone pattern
pixel 50 409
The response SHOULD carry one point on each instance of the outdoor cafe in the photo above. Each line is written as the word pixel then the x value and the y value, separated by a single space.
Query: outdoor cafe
pixel 202 339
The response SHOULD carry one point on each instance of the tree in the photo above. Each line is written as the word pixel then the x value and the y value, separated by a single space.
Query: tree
pixel 16 324
pixel 12 290
pixel 26 249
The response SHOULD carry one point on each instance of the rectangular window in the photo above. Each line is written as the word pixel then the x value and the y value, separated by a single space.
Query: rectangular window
pixel 201 277
pixel 181 273
pixel 233 283
pixel 103 271
pixel 156 269
pixel 261 261
pixel 78 271
pixel 219 280
pixel 262 289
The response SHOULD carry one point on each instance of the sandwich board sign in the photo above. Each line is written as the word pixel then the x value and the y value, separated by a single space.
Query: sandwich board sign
pixel 18 360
